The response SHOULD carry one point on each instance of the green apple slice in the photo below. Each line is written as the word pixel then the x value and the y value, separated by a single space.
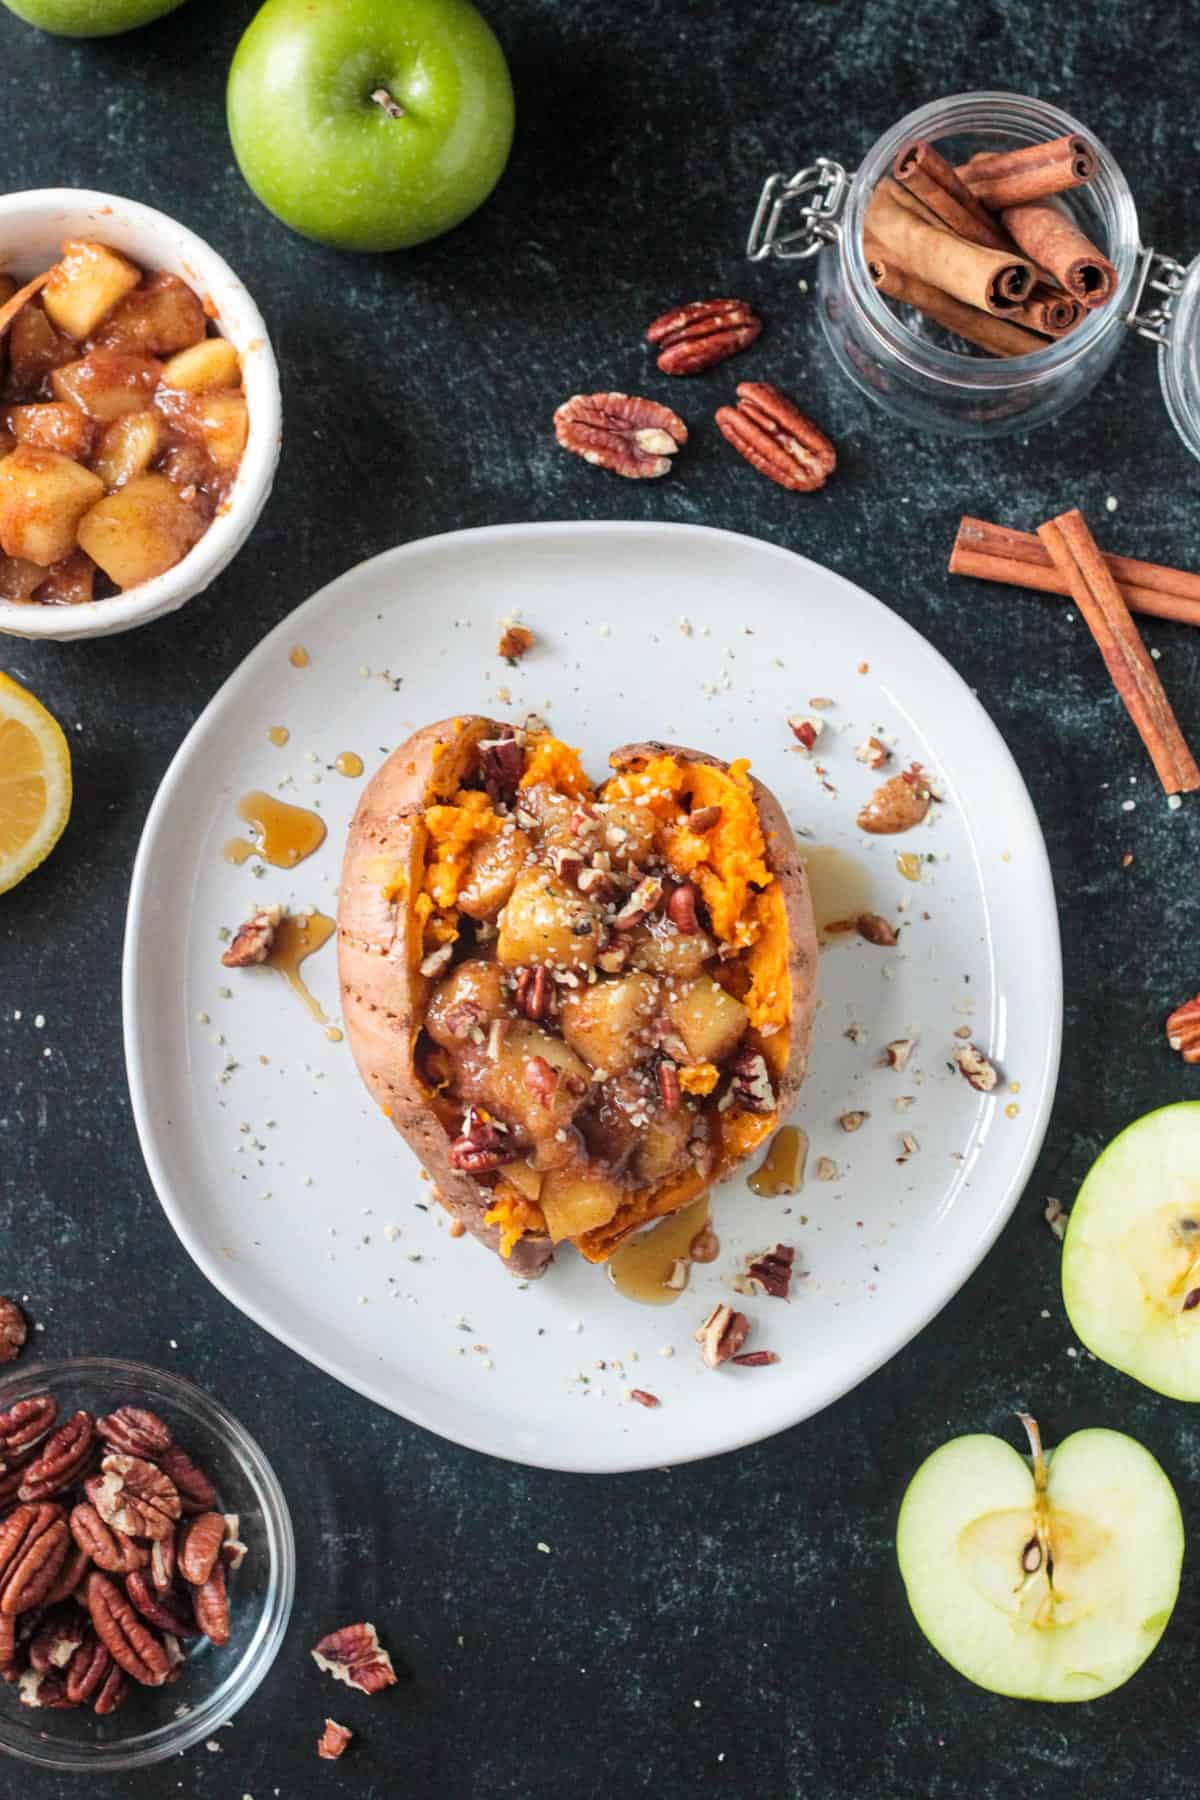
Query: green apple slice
pixel 1131 1260
pixel 1049 1578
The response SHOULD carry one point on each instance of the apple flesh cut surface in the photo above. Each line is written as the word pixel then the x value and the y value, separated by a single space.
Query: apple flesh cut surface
pixel 1131 1260
pixel 1045 1580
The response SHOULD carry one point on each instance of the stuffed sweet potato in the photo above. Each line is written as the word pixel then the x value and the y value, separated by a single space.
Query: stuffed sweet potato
pixel 580 1006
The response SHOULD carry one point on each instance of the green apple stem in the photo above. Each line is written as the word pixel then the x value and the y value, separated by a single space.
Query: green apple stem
pixel 387 103
pixel 1033 1433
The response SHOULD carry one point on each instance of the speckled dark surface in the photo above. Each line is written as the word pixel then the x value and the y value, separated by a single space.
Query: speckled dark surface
pixel 735 1627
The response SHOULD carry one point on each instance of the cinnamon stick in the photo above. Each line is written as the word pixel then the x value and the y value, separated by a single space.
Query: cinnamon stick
pixel 1007 177
pixel 925 173
pixel 980 328
pixel 987 279
pixel 1050 238
pixel 1049 311
pixel 1076 555
pixel 12 307
pixel 997 553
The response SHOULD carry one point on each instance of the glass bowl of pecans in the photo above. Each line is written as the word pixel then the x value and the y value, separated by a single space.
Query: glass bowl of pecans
pixel 147 1565
pixel 139 414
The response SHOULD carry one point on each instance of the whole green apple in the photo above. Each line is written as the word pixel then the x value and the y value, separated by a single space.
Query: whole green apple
pixel 370 124
pixel 90 18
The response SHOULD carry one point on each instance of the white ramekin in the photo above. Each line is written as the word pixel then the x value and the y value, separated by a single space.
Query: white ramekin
pixel 32 228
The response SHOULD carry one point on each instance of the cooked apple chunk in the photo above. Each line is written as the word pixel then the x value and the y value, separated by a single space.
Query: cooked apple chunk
pixel 218 421
pixel 128 447
pixel 85 285
pixel 43 496
pixel 547 922
pixel 19 578
pixel 34 348
pixel 495 866
pixel 211 364
pixel 140 531
pixel 607 1021
pixel 709 1020
pixel 575 1201
pixel 70 582
pixel 107 383
pixel 156 319
pixel 52 425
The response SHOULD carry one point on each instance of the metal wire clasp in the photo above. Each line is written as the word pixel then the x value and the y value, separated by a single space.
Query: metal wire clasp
pixel 1163 275
pixel 827 183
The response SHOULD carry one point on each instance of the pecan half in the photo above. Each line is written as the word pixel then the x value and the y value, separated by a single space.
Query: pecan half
pixel 25 1425
pixel 110 1550
pixel 75 1566
pixel 127 1639
pixel 167 1611
pixel 751 1088
pixel 13 1330
pixel 233 1551
pixel 199 1545
pixel 196 1491
pixel 775 438
pixel 540 1079
pixel 61 1460
pixel 1183 1030
pixel 535 994
pixel 481 1146
pixel 136 1431
pixel 771 1273
pixel 210 1603
pixel 333 1740
pixel 163 1558
pixel 722 1335
pixel 621 432
pixel 354 1654
pixel 897 805
pixel 88 1668
pixel 974 1067
pixel 501 766
pixel 134 1496
pixel 877 930
pixel 254 940
pixel 34 1542
pixel 697 336
pixel 114 1691
pixel 681 909
pixel 37 1689
pixel 57 1638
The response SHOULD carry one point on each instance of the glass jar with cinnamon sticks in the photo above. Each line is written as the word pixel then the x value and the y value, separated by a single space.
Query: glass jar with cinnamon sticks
pixel 979 272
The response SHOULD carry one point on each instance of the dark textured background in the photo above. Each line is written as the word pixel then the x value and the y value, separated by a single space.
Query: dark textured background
pixel 735 1627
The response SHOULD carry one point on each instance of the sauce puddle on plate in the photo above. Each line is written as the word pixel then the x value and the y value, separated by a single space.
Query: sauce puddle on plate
pixel 348 762
pixel 299 936
pixel 284 835
pixel 840 886
pixel 640 1268
pixel 781 1170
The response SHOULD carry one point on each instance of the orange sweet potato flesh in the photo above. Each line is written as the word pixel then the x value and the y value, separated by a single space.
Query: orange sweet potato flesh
pixel 387 925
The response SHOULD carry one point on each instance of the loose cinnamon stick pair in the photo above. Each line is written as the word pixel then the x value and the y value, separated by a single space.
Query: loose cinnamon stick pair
pixel 1065 558
pixel 1032 265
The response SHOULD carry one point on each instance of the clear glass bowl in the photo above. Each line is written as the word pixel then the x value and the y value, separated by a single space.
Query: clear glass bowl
pixel 914 368
pixel 215 1683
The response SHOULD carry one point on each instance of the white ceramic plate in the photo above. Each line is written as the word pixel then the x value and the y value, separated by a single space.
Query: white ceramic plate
pixel 299 1201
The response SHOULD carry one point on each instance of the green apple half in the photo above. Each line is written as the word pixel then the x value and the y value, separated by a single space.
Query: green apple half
pixel 1131 1260
pixel 1050 1578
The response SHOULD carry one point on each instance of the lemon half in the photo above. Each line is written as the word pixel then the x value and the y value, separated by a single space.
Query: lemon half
pixel 35 783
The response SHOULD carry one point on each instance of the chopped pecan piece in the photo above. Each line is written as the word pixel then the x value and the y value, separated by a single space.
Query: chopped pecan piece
pixel 1056 1216
pixel 481 1146
pixel 751 1088
pixel 645 899
pixel 805 731
pixel 669 1091
pixel 771 1273
pixel 697 336
pixel 437 961
pixel 826 1169
pixel 630 436
pixel 974 1066
pixel 501 765
pixel 681 909
pixel 722 1335
pixel 704 819
pixel 775 438
pixel 643 1397
pixel 233 1551
pixel 540 1079
pixel 333 1740
pixel 873 752
pixel 756 1359
pixel 515 642
pixel 253 941
pixel 353 1654
pixel 897 1053
pixel 877 930
pixel 1183 1030
pixel 851 1121
pixel 13 1330
pixel 705 1247
pixel 535 995
pixel 898 804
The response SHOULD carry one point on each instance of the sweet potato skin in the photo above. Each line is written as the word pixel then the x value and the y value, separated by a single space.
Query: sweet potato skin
pixel 380 954
pixel 384 994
